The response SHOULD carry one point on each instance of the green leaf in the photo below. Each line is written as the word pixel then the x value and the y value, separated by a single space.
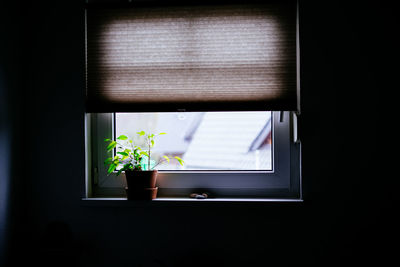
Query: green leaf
pixel 108 160
pixel 107 139
pixel 111 146
pixel 144 153
pixel 130 141
pixel 151 136
pixel 141 133
pixel 162 133
pixel 123 154
pixel 152 142
pixel 179 160
pixel 111 168
pixel 165 157
pixel 122 137
pixel 127 166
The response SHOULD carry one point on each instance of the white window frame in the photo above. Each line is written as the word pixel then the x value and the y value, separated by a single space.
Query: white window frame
pixel 283 181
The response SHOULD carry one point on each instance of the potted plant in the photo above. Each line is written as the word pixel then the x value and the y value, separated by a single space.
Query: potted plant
pixel 136 162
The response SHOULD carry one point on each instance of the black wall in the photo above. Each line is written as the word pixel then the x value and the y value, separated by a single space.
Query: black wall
pixel 348 212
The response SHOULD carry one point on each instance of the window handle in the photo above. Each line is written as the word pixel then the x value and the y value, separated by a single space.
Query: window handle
pixel 281 116
pixel 295 125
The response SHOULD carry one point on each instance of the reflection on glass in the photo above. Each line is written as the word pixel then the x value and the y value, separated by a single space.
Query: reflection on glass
pixel 205 140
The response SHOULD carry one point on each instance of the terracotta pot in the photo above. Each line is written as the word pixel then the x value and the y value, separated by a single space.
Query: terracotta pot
pixel 141 185
pixel 141 179
pixel 142 194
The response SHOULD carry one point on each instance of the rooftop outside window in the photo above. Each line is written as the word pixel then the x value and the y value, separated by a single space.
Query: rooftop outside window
pixel 205 140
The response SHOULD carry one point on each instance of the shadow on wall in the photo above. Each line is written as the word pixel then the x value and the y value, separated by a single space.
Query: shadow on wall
pixel 4 171
pixel 5 133
pixel 57 246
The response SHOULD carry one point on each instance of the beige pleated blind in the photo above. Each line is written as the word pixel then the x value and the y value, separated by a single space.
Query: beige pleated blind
pixel 234 57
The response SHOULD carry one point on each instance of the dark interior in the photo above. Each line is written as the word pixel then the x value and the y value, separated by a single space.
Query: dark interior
pixel 348 213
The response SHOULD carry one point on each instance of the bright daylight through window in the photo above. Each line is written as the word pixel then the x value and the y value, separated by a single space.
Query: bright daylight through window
pixel 204 140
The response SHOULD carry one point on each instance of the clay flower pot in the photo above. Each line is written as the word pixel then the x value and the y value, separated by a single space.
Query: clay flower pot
pixel 141 185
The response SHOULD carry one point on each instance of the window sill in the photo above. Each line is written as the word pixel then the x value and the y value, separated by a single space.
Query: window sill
pixel 160 201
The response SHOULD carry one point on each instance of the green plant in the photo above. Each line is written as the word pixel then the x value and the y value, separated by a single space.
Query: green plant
pixel 133 157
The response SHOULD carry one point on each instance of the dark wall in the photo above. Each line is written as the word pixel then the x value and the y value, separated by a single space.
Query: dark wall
pixel 347 213
pixel 4 151
pixel 9 123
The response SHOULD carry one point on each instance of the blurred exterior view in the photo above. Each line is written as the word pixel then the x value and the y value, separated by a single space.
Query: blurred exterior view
pixel 204 140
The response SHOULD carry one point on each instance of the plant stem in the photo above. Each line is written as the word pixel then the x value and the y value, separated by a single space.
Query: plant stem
pixel 161 161
pixel 148 162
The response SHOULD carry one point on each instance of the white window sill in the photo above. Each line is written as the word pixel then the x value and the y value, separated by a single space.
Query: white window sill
pixel 124 202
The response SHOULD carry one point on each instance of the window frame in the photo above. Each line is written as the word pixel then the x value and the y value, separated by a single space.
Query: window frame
pixel 95 187
pixel 284 181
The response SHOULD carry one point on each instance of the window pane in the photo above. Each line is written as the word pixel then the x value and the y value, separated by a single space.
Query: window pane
pixel 204 140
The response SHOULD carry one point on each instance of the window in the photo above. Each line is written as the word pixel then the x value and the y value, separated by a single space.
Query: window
pixel 276 174
pixel 209 76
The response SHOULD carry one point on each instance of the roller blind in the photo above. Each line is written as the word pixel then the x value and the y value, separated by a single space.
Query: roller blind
pixel 228 57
